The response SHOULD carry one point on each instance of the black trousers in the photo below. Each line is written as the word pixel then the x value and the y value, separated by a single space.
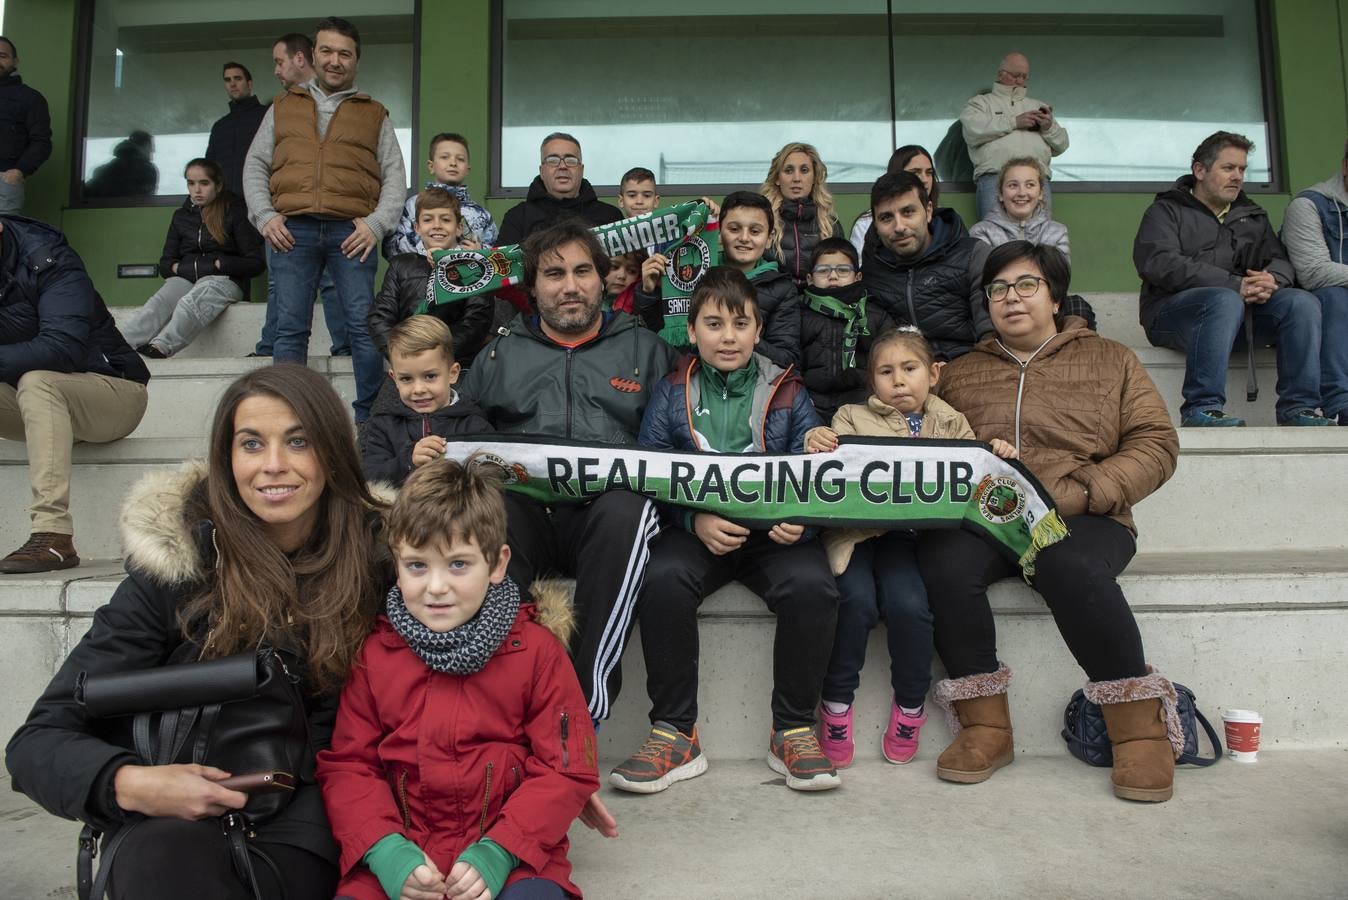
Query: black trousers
pixel 168 859
pixel 1076 578
pixel 604 544
pixel 794 581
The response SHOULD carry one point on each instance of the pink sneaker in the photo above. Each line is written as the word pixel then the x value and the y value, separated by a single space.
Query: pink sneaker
pixel 835 737
pixel 900 741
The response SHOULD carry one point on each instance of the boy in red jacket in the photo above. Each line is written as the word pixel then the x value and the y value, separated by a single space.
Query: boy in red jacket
pixel 460 781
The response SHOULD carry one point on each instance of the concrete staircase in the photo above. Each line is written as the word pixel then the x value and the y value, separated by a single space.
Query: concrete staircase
pixel 1240 583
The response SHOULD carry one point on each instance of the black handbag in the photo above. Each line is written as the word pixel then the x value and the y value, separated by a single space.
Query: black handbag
pixel 1088 739
pixel 243 713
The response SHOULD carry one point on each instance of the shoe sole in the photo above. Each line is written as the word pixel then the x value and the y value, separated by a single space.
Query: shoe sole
pixel 959 776
pixel 1144 795
pixel 896 762
pixel 37 569
pixel 817 783
pixel 690 769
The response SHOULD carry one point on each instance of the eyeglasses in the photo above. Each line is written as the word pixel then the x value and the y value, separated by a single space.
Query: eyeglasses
pixel 555 162
pixel 1026 287
pixel 826 271
pixel 1015 76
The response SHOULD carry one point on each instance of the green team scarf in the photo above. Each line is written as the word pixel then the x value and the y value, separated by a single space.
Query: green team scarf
pixel 673 230
pixel 869 482
pixel 852 314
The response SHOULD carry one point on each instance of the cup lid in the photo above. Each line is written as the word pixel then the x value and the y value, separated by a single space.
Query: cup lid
pixel 1242 715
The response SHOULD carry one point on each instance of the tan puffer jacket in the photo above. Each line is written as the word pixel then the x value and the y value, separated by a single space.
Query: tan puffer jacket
pixel 1089 423
pixel 875 418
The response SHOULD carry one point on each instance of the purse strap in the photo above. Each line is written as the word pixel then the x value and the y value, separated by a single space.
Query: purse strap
pixel 1194 759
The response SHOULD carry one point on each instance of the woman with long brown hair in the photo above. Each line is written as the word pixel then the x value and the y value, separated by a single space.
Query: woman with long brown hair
pixel 802 205
pixel 274 541
pixel 209 254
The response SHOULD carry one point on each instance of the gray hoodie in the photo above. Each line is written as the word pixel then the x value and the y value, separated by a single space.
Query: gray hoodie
pixel 998 228
pixel 1304 236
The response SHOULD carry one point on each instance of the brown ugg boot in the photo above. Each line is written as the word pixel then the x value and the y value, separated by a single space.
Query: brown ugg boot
pixel 1144 729
pixel 979 717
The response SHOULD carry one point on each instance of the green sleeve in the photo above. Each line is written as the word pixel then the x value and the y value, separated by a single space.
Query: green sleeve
pixel 392 859
pixel 492 861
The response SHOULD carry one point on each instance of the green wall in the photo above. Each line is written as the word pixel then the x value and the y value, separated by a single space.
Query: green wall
pixel 1310 37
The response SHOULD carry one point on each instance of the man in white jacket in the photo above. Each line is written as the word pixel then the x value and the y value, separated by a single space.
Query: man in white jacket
pixel 1315 231
pixel 1004 124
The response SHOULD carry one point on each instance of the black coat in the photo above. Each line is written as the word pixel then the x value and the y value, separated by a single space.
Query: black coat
pixel 189 243
pixel 403 290
pixel 941 292
pixel 51 318
pixel 540 209
pixel 388 438
pixel 779 305
pixel 25 127
pixel 821 363
pixel 799 228
pixel 231 136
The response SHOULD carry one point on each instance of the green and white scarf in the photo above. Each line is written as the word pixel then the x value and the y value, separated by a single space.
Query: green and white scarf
pixel 849 304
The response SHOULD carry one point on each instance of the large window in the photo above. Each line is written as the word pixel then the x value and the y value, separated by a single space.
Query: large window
pixel 704 93
pixel 154 84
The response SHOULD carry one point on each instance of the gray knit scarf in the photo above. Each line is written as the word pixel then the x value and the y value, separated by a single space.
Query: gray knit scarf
pixel 466 649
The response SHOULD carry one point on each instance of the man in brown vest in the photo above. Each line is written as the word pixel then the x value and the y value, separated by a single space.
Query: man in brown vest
pixel 324 181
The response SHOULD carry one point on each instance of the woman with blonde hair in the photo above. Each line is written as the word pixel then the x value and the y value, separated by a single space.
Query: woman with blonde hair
pixel 797 188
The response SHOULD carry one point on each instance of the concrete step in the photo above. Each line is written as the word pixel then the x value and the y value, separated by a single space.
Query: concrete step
pixel 1247 486
pixel 1256 630
pixel 235 333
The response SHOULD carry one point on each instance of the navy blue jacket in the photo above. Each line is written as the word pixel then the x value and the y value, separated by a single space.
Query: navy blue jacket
pixel 51 318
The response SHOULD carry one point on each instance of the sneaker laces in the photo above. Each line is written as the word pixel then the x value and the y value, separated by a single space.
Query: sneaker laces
pixel 39 541
pixel 803 746
pixel 906 732
pixel 652 750
pixel 837 732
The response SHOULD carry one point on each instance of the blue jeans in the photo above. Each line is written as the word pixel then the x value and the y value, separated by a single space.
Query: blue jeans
pixel 1206 323
pixel 296 274
pixel 987 195
pixel 882 582
pixel 332 314
pixel 1333 350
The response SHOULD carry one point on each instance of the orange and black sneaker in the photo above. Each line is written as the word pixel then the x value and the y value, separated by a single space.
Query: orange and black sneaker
pixel 795 753
pixel 667 756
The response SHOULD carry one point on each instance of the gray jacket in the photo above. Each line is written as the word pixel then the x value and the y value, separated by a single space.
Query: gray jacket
pixel 998 228
pixel 1304 235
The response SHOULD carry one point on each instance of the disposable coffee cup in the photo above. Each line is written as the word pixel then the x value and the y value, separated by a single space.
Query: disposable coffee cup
pixel 1242 734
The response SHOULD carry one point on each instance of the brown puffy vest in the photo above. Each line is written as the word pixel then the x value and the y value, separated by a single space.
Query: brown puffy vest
pixel 337 176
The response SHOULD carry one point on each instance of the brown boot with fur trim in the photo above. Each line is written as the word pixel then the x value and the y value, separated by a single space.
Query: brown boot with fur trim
pixel 1140 715
pixel 978 715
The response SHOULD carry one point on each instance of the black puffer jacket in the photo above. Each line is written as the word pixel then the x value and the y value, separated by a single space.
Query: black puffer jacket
pixel 1180 245
pixel 231 136
pixel 799 232
pixel 388 438
pixel 25 127
pixel 51 317
pixel 779 305
pixel 941 292
pixel 540 209
pixel 821 356
pixel 403 290
pixel 191 245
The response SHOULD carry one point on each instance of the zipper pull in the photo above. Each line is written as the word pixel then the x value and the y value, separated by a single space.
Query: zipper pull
pixel 566 753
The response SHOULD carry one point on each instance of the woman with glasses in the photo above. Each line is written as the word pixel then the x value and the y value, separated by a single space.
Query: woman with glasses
pixel 1090 425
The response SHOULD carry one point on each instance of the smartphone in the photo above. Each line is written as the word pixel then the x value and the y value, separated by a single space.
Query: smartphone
pixel 260 783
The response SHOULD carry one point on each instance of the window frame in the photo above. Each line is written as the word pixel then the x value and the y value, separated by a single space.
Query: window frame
pixel 1268 89
pixel 83 69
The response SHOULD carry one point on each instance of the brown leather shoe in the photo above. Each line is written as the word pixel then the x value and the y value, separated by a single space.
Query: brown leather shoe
pixel 978 714
pixel 1144 759
pixel 44 551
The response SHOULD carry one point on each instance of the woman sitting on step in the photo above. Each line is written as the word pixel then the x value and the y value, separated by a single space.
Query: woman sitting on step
pixel 1091 426
pixel 273 541
pixel 209 254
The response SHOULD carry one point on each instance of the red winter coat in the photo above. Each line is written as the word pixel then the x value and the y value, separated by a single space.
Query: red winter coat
pixel 507 753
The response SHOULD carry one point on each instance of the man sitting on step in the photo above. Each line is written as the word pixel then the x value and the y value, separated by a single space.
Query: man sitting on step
pixel 66 375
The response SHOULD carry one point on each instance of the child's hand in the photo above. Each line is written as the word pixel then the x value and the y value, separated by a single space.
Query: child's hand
pixel 719 535
pixel 470 242
pixel 821 439
pixel 1003 449
pixel 596 816
pixel 428 448
pixel 465 883
pixel 785 533
pixel 715 207
pixel 651 270
pixel 425 883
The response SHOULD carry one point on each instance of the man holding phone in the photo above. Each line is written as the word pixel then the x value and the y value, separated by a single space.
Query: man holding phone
pixel 1004 124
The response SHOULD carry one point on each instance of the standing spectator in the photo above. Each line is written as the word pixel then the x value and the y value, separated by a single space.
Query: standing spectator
pixel 449 168
pixel 908 158
pixel 130 173
pixel 1314 232
pixel 1004 124
pixel 210 253
pixel 1208 257
pixel 233 133
pixel 66 375
pixel 292 59
pixel 559 192
pixel 25 129
pixel 797 188
pixel 324 182
pixel 554 374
